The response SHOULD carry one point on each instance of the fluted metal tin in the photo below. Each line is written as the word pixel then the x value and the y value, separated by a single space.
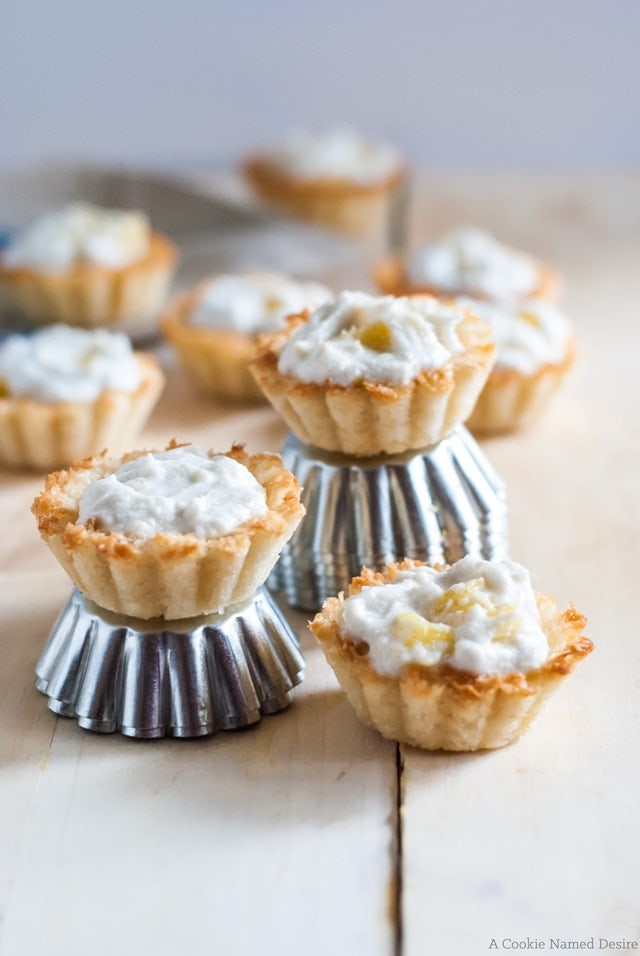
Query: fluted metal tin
pixel 435 505
pixel 185 679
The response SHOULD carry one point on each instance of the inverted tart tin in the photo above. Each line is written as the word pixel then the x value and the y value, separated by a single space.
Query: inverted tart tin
pixel 158 678
pixel 434 505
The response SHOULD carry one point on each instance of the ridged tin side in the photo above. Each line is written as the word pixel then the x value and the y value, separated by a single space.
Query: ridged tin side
pixel 184 679
pixel 435 505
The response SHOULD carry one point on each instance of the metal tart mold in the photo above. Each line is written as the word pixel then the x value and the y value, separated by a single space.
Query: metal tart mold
pixel 159 678
pixel 435 505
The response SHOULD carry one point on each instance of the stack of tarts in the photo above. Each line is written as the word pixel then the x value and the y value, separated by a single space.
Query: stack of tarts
pixel 374 389
pixel 169 629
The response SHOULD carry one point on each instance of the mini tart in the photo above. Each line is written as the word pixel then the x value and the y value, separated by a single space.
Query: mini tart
pixel 216 360
pixel 90 295
pixel 441 708
pixel 169 575
pixel 42 435
pixel 512 399
pixel 358 209
pixel 391 278
pixel 366 419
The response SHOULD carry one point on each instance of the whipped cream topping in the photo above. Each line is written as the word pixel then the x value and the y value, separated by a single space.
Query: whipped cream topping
pixel 339 153
pixel 180 491
pixel 471 261
pixel 63 364
pixel 80 233
pixel 383 340
pixel 477 616
pixel 528 333
pixel 254 302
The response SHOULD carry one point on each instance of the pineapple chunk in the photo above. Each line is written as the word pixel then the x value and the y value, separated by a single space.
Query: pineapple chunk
pixel 376 336
pixel 530 318
pixel 460 597
pixel 507 629
pixel 412 628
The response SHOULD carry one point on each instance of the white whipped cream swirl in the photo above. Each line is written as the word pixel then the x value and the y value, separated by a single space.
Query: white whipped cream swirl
pixel 180 491
pixel 63 364
pixel 380 339
pixel 528 333
pixel 254 302
pixel 470 261
pixel 339 153
pixel 478 616
pixel 79 233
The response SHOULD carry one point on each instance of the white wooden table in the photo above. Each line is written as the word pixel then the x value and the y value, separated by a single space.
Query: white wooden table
pixel 308 833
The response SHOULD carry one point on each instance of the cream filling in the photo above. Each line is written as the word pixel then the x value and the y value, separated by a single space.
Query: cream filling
pixel 528 334
pixel 382 340
pixel 339 153
pixel 255 302
pixel 472 261
pixel 180 491
pixel 477 616
pixel 78 233
pixel 62 364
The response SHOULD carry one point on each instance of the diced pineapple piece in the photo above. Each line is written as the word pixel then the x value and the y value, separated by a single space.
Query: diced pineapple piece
pixel 411 629
pixel 530 317
pixel 508 627
pixel 460 597
pixel 376 336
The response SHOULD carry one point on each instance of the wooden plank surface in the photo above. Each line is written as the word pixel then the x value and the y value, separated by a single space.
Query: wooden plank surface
pixel 540 840
pixel 282 837
pixel 233 843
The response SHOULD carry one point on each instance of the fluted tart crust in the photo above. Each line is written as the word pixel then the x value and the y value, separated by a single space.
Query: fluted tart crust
pixel 365 419
pixel 442 707
pixel 168 575
pixel 91 295
pixel 43 435
pixel 215 360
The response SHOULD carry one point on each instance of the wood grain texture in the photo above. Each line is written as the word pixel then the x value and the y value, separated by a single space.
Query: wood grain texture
pixel 540 840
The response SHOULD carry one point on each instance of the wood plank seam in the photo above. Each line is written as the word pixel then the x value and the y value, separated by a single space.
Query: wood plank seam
pixel 397 855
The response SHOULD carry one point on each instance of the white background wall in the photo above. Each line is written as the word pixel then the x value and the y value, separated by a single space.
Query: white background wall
pixel 465 83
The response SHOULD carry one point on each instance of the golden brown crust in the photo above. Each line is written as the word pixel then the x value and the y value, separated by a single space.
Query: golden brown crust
pixel 512 400
pixel 441 707
pixel 216 360
pixel 265 175
pixel 339 203
pixel 91 295
pixel 391 278
pixel 366 419
pixel 43 435
pixel 169 575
